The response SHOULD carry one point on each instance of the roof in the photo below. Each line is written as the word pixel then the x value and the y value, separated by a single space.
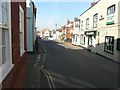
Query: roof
pixel 89 8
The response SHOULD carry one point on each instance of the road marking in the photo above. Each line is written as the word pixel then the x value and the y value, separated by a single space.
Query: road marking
pixel 46 76
pixel 49 78
pixel 38 58
pixel 45 55
pixel 44 49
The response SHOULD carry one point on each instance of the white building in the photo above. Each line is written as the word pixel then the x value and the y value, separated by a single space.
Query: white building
pixel 76 30
pixel 31 30
pixel 59 34
pixel 46 33
pixel 100 28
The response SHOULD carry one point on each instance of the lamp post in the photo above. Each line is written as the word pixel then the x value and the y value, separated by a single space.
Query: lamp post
pixel 56 30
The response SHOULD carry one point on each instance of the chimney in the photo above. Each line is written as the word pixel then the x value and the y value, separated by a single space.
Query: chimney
pixel 68 21
pixel 75 18
pixel 93 3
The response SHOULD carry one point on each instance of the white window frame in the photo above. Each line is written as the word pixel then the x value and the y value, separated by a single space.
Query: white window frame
pixel 82 39
pixel 21 22
pixel 95 20
pixel 7 66
pixel 81 25
pixel 111 9
pixel 87 23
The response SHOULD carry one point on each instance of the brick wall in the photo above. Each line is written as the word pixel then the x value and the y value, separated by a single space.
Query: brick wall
pixel 15 77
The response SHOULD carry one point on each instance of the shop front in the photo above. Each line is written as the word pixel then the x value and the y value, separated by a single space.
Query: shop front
pixel 91 40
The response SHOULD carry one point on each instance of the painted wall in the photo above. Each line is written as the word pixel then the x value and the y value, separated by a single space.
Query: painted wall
pixel 103 29
pixel 75 37
pixel 31 33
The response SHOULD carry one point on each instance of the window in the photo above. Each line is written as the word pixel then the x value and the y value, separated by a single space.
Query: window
pixel 81 25
pixel 111 15
pixel 5 40
pixel 95 21
pixel 82 39
pixel 76 37
pixel 111 10
pixel 90 40
pixel 109 44
pixel 87 23
pixel 3 32
pixel 77 23
pixel 21 19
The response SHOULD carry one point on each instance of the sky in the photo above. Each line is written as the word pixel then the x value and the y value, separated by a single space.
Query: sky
pixel 51 13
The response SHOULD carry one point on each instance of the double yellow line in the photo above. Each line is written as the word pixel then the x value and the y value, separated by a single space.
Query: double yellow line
pixel 49 78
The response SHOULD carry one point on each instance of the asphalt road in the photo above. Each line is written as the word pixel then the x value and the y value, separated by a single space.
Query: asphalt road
pixel 75 67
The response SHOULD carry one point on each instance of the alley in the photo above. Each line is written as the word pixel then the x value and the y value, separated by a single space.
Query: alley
pixel 75 67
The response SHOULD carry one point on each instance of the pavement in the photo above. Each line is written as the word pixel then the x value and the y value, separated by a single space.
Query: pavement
pixel 34 77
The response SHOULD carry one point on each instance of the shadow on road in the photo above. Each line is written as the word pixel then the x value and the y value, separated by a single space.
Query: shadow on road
pixel 79 68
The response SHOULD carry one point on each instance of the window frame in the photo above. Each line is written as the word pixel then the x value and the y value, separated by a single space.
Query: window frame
pixel 21 26
pixel 7 66
pixel 82 39
pixel 81 25
pixel 77 23
pixel 110 14
pixel 111 8
pixel 90 37
pixel 108 45
pixel 95 20
pixel 87 23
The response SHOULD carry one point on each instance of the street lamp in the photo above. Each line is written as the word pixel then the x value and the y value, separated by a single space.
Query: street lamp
pixel 56 30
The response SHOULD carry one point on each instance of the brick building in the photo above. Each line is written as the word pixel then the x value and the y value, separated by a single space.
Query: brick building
pixel 12 44
pixel 69 29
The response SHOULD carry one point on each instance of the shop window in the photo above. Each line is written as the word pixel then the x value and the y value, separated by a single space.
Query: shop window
pixel 82 39
pixel 90 41
pixel 109 44
pixel 76 37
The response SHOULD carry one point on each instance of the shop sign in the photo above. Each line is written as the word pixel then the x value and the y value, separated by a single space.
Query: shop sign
pixel 101 17
pixel 93 33
pixel 110 20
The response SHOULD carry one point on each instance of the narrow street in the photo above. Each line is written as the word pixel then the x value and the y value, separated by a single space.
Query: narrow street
pixel 74 67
